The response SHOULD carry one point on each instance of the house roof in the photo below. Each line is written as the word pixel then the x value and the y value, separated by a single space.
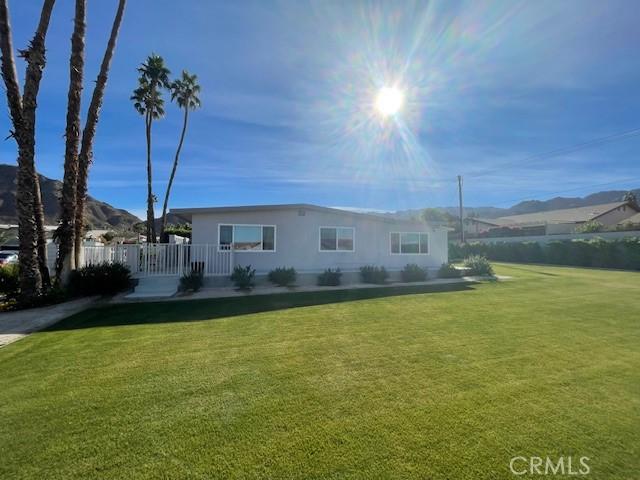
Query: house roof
pixel 188 212
pixel 567 215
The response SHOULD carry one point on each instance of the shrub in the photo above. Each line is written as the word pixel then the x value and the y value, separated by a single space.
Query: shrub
pixel 283 276
pixel 242 277
pixel 329 278
pixel 447 270
pixel 9 281
pixel 373 274
pixel 478 265
pixel 618 253
pixel 192 281
pixel 592 226
pixel 413 273
pixel 101 279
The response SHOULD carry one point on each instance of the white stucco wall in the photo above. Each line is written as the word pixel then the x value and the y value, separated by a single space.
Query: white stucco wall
pixel 297 240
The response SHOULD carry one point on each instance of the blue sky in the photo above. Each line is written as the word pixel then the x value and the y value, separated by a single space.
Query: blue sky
pixel 288 87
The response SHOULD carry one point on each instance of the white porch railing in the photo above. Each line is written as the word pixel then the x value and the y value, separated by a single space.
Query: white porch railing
pixel 163 259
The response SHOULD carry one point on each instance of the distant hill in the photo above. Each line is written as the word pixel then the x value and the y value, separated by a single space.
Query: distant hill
pixel 532 206
pixel 558 203
pixel 100 215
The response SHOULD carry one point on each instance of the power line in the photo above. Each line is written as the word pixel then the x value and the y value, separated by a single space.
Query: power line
pixel 559 151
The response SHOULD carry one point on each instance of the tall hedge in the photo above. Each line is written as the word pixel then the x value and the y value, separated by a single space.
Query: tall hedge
pixel 621 253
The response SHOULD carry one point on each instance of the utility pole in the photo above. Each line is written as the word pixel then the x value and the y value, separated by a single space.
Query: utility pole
pixel 461 210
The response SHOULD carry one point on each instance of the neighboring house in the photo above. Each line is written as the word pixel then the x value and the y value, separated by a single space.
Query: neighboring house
pixel 311 238
pixel 552 221
pixel 11 234
pixel 633 221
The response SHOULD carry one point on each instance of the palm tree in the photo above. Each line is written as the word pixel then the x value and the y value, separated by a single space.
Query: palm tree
pixel 147 100
pixel 184 92
pixel 88 134
pixel 64 261
pixel 22 109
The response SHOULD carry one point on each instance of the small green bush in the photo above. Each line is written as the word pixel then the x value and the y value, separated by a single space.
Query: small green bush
pixel 9 281
pixel 592 226
pixel 448 270
pixel 413 273
pixel 283 276
pixel 192 281
pixel 101 279
pixel 478 265
pixel 242 277
pixel 329 278
pixel 373 274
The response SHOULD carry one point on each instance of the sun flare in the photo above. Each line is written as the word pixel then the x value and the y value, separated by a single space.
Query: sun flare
pixel 389 101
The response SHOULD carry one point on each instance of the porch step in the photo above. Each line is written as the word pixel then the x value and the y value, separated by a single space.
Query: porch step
pixel 155 287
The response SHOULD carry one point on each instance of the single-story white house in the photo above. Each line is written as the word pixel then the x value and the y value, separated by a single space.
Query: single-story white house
pixel 311 239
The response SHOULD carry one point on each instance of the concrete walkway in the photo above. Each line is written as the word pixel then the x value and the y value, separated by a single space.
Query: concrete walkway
pixel 228 292
pixel 16 325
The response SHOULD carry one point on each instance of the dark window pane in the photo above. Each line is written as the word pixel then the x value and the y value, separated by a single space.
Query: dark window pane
pixel 424 243
pixel 327 239
pixel 410 243
pixel 226 234
pixel 268 238
pixel 395 243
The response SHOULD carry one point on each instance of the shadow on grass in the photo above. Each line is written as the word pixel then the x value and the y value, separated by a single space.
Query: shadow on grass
pixel 525 269
pixel 195 310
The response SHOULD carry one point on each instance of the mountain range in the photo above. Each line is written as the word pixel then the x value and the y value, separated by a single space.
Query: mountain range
pixel 532 206
pixel 101 215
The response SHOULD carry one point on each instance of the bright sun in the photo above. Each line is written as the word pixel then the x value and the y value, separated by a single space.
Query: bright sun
pixel 389 101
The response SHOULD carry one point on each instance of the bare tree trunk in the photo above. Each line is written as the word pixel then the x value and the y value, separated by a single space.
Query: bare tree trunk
pixel 65 260
pixel 36 61
pixel 89 132
pixel 151 227
pixel 41 234
pixel 23 116
pixel 173 174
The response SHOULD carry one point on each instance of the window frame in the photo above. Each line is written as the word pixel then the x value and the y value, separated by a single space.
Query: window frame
pixel 261 226
pixel 336 227
pixel 391 252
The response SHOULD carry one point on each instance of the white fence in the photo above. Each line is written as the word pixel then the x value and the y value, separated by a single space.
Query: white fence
pixel 164 259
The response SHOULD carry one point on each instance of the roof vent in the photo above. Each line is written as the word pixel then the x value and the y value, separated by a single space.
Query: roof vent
pixel 302 212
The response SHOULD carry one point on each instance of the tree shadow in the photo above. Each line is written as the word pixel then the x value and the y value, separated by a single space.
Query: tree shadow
pixel 548 274
pixel 210 309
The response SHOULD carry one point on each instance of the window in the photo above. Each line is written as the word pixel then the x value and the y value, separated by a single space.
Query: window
pixel 254 238
pixel 337 239
pixel 410 243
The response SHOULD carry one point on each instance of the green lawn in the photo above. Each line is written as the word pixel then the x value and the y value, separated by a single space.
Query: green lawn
pixel 438 385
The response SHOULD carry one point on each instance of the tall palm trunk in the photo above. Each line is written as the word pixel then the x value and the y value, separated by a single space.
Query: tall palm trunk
pixel 23 116
pixel 173 174
pixel 151 228
pixel 89 132
pixel 41 234
pixel 65 259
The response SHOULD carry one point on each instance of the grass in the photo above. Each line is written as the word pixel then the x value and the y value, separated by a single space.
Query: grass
pixel 439 385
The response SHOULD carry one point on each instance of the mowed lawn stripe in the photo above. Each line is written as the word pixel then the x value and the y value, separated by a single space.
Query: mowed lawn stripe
pixel 447 384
